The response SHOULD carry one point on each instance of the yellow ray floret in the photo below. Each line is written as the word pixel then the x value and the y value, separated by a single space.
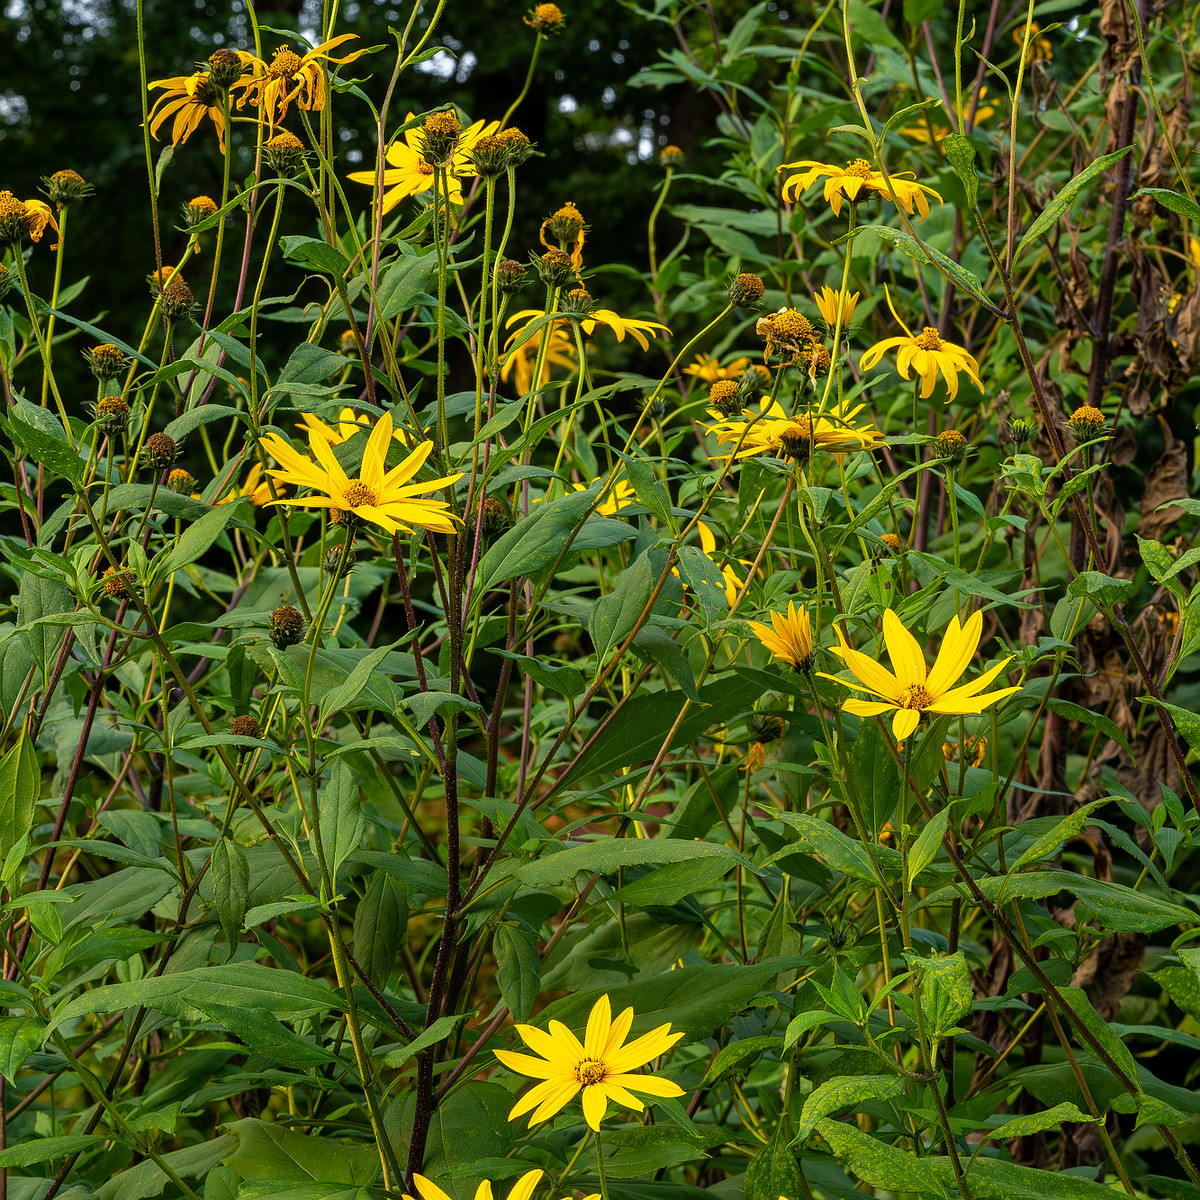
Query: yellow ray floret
pixel 600 1067
pixel 909 690
pixel 854 178
pixel 382 497
pixel 788 638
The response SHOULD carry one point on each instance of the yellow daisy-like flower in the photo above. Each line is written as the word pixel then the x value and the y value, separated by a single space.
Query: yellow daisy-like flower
pixel 708 368
pixel 521 358
pixel 928 355
pixel 852 179
pixel 912 689
pixel 788 638
pixel 292 78
pixel 599 1067
pixel 411 173
pixel 189 99
pixel 342 430
pixel 523 1189
pixel 831 303
pixel 382 497
pixel 255 489
pixel 774 432
pixel 20 219
pixel 621 326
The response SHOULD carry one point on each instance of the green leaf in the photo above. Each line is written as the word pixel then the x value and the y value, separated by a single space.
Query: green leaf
pixel 799 1026
pixel 20 787
pixel 615 615
pixel 705 579
pixel 926 847
pixel 917 11
pixel 38 597
pixel 148 1178
pixel 194 418
pixel 837 1095
pixel 46 1149
pixel 1100 1029
pixel 566 681
pixel 266 1150
pixel 835 849
pixel 1186 721
pixel 1050 1118
pixel 380 926
pixel 774 1173
pixel 672 882
pixel 314 254
pixel 655 644
pixel 945 992
pixel 608 855
pixel 439 1031
pixel 518 969
pixel 960 154
pixel 907 244
pixel 739 1055
pixel 366 666
pixel 1103 589
pixel 1092 719
pixel 535 542
pixel 341 817
pixel 402 283
pixel 40 436
pixel 650 492
pixel 198 538
pixel 230 873
pixel 19 1038
pixel 1181 205
pixel 1050 842
pixel 1059 205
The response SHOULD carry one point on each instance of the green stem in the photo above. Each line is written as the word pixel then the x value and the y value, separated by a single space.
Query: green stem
pixel 19 259
pixel 600 1167
pixel 512 108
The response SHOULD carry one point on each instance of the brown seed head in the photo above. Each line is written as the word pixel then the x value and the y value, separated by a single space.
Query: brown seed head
pixel 245 726
pixel 746 291
pixel 176 301
pixel 159 451
pixel 286 626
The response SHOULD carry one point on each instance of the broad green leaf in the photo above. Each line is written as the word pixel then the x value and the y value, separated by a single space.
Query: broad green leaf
pixel 926 254
pixel 341 817
pixel 656 645
pixel 339 698
pixel 1103 589
pixel 19 1038
pixel 1059 205
pixel 838 851
pixel 650 491
pixel 38 597
pixel 946 993
pixel 960 154
pixel 608 855
pixel 46 1149
pixel 39 434
pixel 402 283
pixel 837 1095
pixel 313 253
pixel 230 873
pixel 148 1179
pixel 1051 1118
pixel 380 925
pixel 925 848
pixel 615 615
pixel 1186 721
pixel 198 538
pixel 672 882
pixel 774 1173
pixel 707 582
pixel 566 681
pixel 266 1150
pixel 1178 204
pixel 439 1031
pixel 518 969
pixel 20 787
pixel 1092 719
pixel 738 1055
pixel 535 542
pixel 1050 842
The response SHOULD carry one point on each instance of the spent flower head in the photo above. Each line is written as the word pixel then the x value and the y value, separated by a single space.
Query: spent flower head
pixel 285 626
pixel 952 446
pixel 111 413
pixel 106 361
pixel 245 726
pixel 21 219
pixel 442 131
pixel 746 290
pixel 66 187
pixel 176 301
pixel 285 154
pixel 544 18
pixel 159 451
pixel 227 66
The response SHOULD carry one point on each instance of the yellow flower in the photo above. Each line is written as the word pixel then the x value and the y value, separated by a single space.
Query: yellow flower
pixel 920 131
pixel 599 1067
pixel 521 357
pixel 773 431
pixel 927 354
pixel 342 430
pixel 20 219
pixel 255 489
pixel 545 18
pixel 412 173
pixel 567 226
pixel 189 99
pixel 637 329
pixel 830 303
pixel 788 638
pixel 621 496
pixel 856 177
pixel 733 585
pixel 710 370
pixel 523 1189
pixel 288 78
pixel 384 498
pixel 1040 49
pixel 913 690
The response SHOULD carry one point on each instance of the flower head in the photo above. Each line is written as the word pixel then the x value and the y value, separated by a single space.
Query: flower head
pixel 854 178
pixel 111 413
pixel 772 431
pixel 567 227
pixel 950 444
pixel 245 726
pixel 159 451
pixel 411 173
pixel 545 18
pixel 21 219
pixel 377 495
pixel 708 368
pixel 636 328
pixel 910 689
pixel 284 152
pixel 788 638
pixel 348 423
pixel 292 78
pixel 1086 422
pixel 106 361
pixel 66 187
pixel 197 209
pixel 189 99
pixel 600 1067
pixel 928 355
pixel 523 1189
pixel 836 307
pixel 671 156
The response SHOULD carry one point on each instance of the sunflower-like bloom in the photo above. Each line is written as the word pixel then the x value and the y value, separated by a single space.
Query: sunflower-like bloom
pixel 774 432
pixel 788 638
pixel 621 496
pixel 20 219
pixel 852 179
pixel 523 1189
pixel 521 358
pixel 599 1067
pixel 912 689
pixel 708 368
pixel 927 354
pixel 411 172
pixel 621 326
pixel 189 99
pixel 256 489
pixel 831 303
pixel 384 498
pixel 289 77
pixel 342 430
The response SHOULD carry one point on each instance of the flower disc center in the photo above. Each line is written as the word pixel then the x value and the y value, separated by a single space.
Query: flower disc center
pixel 590 1071
pixel 358 495
pixel 285 64
pixel 915 696
pixel 859 168
pixel 929 339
